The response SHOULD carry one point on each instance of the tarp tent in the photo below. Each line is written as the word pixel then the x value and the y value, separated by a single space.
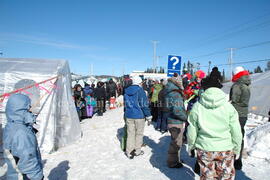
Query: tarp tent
pixel 260 93
pixel 48 84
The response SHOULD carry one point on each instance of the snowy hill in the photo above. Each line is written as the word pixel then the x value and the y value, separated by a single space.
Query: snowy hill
pixel 98 156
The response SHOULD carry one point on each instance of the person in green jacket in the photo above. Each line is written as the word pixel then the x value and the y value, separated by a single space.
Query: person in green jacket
pixel 214 131
pixel 239 97
pixel 176 116
pixel 154 99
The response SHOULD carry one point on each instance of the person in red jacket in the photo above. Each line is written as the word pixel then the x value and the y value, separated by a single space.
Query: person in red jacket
pixel 193 87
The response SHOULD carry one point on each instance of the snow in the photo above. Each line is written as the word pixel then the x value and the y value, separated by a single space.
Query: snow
pixel 98 155
pixel 259 142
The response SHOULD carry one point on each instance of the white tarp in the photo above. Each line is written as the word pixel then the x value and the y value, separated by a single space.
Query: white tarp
pixel 58 122
pixel 260 93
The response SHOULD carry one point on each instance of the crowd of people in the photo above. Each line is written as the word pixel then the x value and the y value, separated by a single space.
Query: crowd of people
pixel 193 109
pixel 92 99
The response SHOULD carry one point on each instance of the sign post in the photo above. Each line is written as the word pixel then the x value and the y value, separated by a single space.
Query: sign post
pixel 174 65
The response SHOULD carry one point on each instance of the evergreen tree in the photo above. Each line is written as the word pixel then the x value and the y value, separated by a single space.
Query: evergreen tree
pixel 268 66
pixel 191 69
pixel 223 75
pixel 184 67
pixel 189 66
pixel 258 70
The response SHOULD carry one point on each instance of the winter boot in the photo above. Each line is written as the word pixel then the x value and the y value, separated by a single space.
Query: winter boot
pixel 238 164
pixel 131 155
pixel 197 168
pixel 139 154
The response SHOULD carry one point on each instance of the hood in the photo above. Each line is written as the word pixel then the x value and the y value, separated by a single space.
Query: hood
pixel 131 90
pixel 17 110
pixel 240 74
pixel 171 86
pixel 177 81
pixel 244 80
pixel 87 87
pixel 213 98
pixel 158 87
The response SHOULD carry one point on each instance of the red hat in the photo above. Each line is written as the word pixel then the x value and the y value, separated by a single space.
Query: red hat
pixel 238 73
pixel 200 74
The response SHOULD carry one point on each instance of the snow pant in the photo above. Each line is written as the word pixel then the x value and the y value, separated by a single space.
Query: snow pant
pixel 135 128
pixel 79 111
pixel 154 111
pixel 100 107
pixel 89 110
pixel 162 120
pixel 104 105
pixel 23 175
pixel 238 163
pixel 216 165
pixel 176 131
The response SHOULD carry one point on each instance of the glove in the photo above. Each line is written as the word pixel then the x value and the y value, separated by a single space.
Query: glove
pixel 196 92
pixel 148 119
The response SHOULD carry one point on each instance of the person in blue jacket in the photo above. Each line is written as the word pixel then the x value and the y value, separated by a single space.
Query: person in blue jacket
pixel 136 111
pixel 19 137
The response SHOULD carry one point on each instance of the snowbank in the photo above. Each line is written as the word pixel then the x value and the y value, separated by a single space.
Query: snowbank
pixel 98 156
pixel 259 142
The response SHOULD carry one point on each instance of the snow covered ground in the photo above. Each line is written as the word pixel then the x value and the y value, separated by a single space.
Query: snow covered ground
pixel 98 156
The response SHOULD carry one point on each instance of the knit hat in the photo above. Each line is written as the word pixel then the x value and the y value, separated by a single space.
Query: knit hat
pixel 177 81
pixel 200 74
pixel 136 80
pixel 238 69
pixel 238 72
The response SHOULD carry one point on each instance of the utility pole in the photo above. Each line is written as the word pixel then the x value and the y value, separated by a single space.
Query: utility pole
pixel 209 67
pixel 123 69
pixel 155 54
pixel 198 66
pixel 230 62
pixel 91 70
pixel 158 57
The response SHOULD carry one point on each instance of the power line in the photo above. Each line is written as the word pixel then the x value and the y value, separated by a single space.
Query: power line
pixel 243 62
pixel 225 51
pixel 254 45
pixel 231 31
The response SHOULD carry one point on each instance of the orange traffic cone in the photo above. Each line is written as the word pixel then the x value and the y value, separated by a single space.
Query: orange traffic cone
pixel 112 103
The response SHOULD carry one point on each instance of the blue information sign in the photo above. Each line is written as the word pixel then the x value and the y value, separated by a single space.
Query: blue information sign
pixel 174 65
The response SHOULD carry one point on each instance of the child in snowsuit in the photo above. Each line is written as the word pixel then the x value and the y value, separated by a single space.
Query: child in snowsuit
pixel 239 96
pixel 19 137
pixel 90 104
pixel 79 101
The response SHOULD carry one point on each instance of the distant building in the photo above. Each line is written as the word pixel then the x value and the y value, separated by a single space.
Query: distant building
pixel 153 76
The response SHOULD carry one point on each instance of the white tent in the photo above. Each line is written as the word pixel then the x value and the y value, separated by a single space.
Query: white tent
pixel 48 84
pixel 260 93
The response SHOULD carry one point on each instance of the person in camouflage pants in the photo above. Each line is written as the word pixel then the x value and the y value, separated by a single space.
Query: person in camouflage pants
pixel 216 165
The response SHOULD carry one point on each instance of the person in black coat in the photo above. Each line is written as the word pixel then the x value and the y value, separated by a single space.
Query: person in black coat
pixel 111 89
pixel 100 96
pixel 214 80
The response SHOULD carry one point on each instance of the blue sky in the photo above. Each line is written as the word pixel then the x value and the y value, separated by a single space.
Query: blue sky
pixel 115 35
